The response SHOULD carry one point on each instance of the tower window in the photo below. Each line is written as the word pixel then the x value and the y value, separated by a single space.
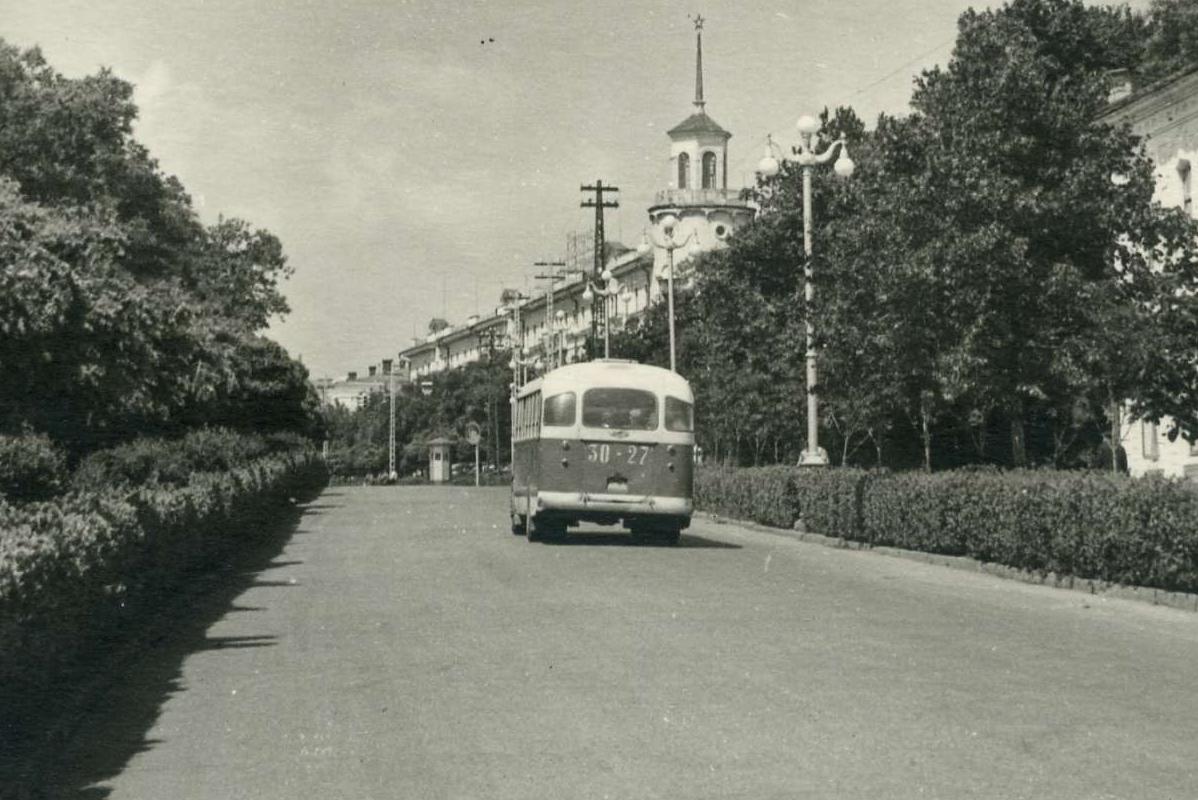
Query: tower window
pixel 709 170
pixel 684 170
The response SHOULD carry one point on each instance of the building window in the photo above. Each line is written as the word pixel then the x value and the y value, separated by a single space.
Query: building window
pixel 709 170
pixel 684 169
pixel 1148 440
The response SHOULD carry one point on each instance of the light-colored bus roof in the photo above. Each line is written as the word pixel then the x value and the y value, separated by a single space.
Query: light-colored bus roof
pixel 611 372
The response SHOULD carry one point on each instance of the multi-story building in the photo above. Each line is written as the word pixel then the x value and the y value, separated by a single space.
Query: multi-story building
pixel 354 390
pixel 1165 114
pixel 706 211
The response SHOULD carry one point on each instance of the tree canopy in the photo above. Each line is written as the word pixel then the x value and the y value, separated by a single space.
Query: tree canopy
pixel 121 312
pixel 985 292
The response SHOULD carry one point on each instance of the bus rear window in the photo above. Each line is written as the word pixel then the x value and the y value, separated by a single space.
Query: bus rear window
pixel 680 415
pixel 623 409
pixel 560 409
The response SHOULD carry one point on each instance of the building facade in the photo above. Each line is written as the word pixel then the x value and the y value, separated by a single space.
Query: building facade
pixel 354 390
pixel 1165 114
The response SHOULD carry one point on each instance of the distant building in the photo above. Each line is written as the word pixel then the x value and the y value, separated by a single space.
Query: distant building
pixel 708 212
pixel 1165 113
pixel 354 390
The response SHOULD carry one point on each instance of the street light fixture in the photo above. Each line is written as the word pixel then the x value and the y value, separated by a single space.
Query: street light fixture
pixel 807 158
pixel 606 287
pixel 669 242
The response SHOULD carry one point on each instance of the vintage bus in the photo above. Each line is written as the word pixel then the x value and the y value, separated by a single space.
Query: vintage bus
pixel 606 442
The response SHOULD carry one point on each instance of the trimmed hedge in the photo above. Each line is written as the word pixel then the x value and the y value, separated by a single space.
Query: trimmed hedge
pixel 760 494
pixel 827 501
pixel 70 566
pixel 1140 532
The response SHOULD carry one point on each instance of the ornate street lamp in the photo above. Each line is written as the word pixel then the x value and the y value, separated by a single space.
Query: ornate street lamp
pixel 607 288
pixel 668 241
pixel 807 159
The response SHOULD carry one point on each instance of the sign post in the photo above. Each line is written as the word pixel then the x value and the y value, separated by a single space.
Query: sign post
pixel 474 436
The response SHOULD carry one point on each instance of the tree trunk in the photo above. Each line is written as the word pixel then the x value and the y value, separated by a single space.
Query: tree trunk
pixel 925 414
pixel 1116 424
pixel 1018 442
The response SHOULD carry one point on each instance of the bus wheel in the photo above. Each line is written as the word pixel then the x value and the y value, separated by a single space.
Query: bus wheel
pixel 551 531
pixel 663 536
pixel 544 530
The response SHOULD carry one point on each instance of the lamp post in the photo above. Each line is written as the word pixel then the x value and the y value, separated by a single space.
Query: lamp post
pixel 807 158
pixel 668 242
pixel 391 473
pixel 606 287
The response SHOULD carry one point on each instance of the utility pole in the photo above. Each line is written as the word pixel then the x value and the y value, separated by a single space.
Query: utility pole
pixel 552 276
pixel 598 203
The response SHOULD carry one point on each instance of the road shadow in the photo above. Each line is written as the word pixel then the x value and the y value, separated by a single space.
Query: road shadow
pixel 105 720
pixel 609 539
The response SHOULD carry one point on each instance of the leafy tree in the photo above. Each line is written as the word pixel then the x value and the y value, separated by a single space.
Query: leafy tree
pixel 1172 38
pixel 121 313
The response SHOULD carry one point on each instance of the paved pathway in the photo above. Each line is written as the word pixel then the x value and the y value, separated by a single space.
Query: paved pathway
pixel 405 645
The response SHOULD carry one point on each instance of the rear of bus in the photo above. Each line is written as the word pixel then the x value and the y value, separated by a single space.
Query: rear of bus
pixel 617 444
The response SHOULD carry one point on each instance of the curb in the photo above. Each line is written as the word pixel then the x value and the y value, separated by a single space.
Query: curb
pixel 1141 594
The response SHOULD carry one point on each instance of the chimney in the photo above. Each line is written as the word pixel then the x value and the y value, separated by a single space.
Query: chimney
pixel 386 366
pixel 372 369
pixel 353 376
pixel 1120 84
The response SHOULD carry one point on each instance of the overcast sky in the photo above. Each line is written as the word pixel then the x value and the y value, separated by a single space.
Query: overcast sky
pixel 412 171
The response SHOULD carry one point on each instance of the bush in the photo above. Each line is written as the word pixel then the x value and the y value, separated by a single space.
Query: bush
pixel 140 462
pixel 31 467
pixel 1091 525
pixel 173 462
pixel 70 567
pixel 829 500
pixel 760 494
pixel 220 449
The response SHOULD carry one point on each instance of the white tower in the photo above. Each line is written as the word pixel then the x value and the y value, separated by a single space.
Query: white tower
pixel 698 192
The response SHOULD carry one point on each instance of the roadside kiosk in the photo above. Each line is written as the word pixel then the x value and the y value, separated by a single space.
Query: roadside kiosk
pixel 439 450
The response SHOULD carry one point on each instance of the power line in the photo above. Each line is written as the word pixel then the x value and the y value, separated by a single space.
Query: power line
pixel 903 66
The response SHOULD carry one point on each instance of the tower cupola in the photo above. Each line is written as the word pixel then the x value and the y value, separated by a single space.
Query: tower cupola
pixel 697 193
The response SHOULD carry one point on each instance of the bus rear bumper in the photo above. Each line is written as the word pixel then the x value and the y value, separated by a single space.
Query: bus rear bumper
pixel 616 504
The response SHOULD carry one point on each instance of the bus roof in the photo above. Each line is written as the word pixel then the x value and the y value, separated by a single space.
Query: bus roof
pixel 611 372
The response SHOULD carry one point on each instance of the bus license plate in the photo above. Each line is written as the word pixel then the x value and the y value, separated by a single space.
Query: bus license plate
pixel 633 454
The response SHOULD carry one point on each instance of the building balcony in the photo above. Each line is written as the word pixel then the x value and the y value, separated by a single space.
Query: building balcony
pixel 680 198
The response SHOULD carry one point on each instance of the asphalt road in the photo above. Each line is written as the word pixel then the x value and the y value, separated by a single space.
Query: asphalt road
pixel 403 644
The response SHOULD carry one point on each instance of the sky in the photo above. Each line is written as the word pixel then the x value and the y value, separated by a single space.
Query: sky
pixel 415 157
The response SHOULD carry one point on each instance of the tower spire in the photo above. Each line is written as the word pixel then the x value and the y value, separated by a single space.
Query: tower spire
pixel 699 101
